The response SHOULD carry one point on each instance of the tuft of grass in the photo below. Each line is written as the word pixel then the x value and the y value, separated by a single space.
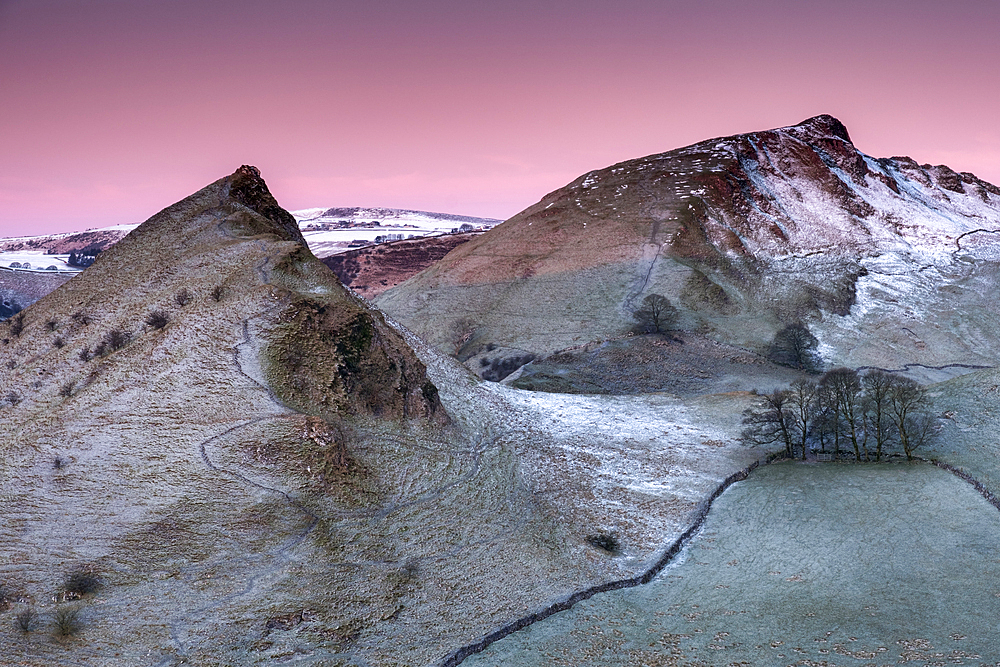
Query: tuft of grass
pixel 217 293
pixel 157 319
pixel 183 297
pixel 26 620
pixel 58 342
pixel 86 355
pixel 81 318
pixel 51 326
pixel 66 620
pixel 67 389
pixel 13 398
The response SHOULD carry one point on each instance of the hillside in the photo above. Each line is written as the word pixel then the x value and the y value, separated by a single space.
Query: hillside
pixel 215 454
pixel 371 270
pixel 887 261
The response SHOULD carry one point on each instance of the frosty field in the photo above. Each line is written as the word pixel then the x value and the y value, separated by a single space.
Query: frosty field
pixel 803 564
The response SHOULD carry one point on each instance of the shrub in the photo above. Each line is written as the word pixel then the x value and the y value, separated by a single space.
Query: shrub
pixel 81 318
pixel 66 620
pixel 12 364
pixel 85 354
pixel 605 542
pixel 17 325
pixel 58 342
pixel 67 389
pixel 13 398
pixel 157 319
pixel 113 341
pixel 183 297
pixel 217 293
pixel 26 620
pixel 51 325
pixel 79 582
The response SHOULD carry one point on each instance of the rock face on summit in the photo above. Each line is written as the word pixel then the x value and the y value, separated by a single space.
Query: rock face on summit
pixel 744 234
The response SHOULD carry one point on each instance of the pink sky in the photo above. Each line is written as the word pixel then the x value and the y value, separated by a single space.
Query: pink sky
pixel 114 109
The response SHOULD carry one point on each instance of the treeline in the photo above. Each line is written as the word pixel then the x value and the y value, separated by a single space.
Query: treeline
pixel 865 414
pixel 84 258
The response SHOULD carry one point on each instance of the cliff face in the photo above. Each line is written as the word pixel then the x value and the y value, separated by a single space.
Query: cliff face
pixel 743 234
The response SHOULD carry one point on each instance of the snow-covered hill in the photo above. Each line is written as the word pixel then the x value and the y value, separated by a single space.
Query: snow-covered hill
pixel 889 261
pixel 329 231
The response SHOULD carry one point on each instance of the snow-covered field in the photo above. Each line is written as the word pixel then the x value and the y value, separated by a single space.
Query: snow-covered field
pixel 35 260
pixel 803 564
pixel 329 231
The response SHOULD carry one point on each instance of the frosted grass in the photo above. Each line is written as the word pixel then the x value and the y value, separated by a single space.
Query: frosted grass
pixel 804 564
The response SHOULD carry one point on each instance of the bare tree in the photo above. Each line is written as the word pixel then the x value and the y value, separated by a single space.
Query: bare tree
pixel 803 402
pixel 772 423
pixel 906 399
pixel 656 315
pixel 920 429
pixel 878 418
pixel 844 388
pixel 796 347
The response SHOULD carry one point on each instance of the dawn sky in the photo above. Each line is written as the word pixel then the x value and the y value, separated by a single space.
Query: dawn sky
pixel 114 109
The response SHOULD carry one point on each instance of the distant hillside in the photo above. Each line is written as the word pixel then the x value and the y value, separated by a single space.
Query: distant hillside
pixel 744 235
pixel 373 269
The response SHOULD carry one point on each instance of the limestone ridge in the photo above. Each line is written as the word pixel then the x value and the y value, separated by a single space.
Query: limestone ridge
pixel 743 233
pixel 247 187
pixel 321 350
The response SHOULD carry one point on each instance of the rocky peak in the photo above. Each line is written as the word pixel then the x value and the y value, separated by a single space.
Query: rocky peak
pixel 824 125
pixel 248 188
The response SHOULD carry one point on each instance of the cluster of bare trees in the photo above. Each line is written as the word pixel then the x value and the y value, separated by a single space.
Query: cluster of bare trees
pixel 868 413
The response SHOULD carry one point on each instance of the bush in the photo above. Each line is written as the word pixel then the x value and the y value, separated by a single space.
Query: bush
pixel 85 354
pixel 67 389
pixel 217 293
pixel 13 398
pixel 183 297
pixel 157 319
pixel 605 542
pixel 26 620
pixel 81 318
pixel 113 341
pixel 17 325
pixel 66 620
pixel 51 325
pixel 81 581
pixel 58 342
